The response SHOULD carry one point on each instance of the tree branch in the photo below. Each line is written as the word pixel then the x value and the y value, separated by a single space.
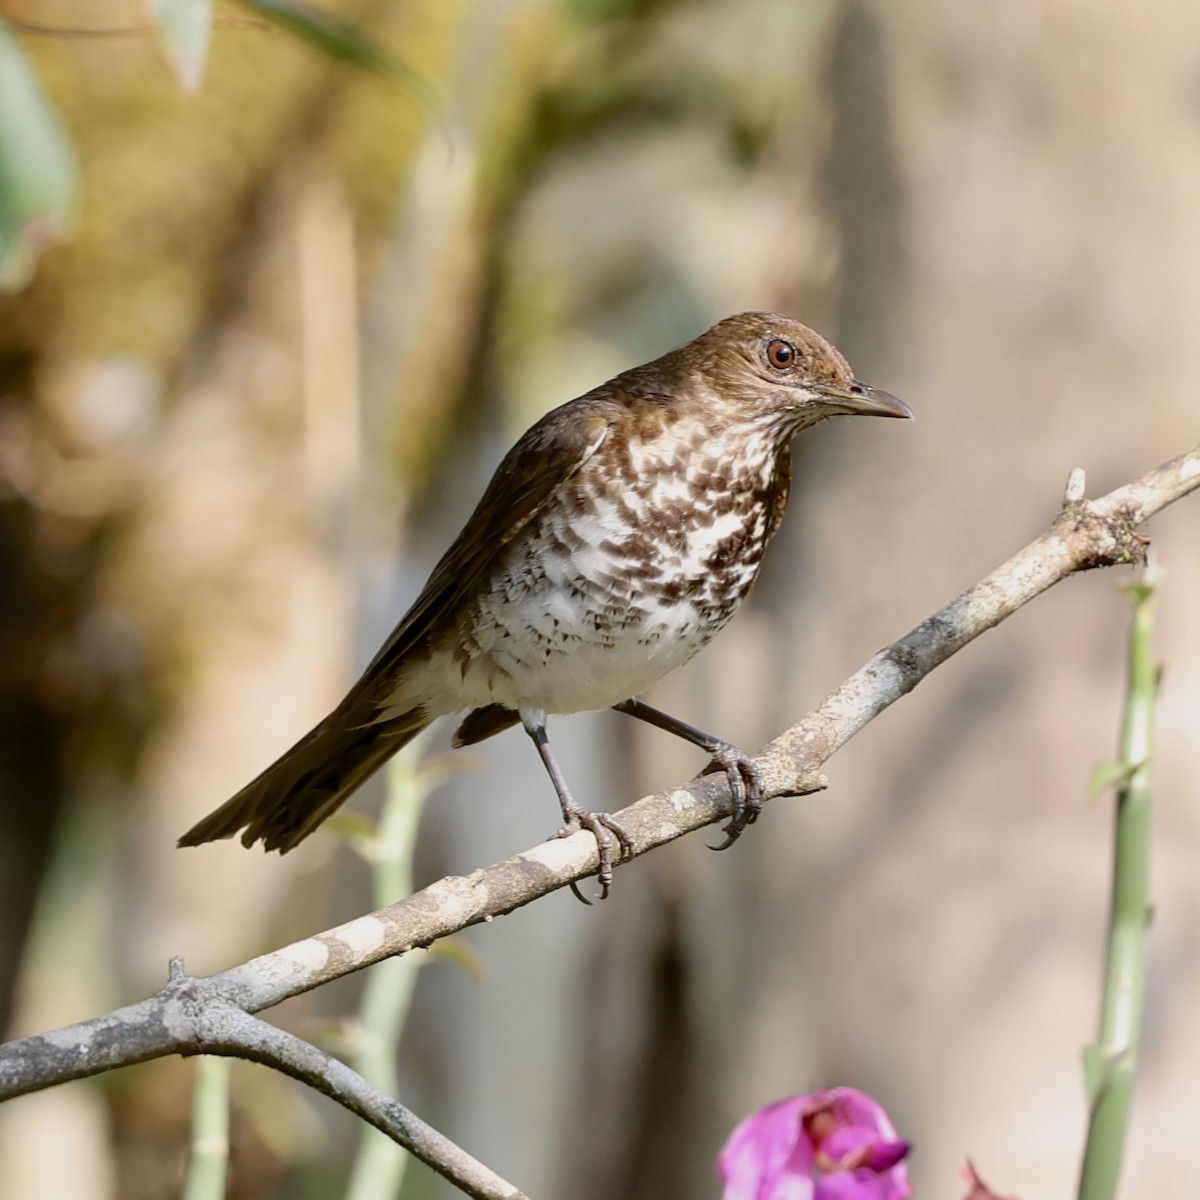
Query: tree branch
pixel 212 1015
pixel 190 1017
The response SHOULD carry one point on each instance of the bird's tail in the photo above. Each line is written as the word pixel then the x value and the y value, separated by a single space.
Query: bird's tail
pixel 296 793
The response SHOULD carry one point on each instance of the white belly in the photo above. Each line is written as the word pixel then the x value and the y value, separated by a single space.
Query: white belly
pixel 565 665
pixel 582 612
pixel 570 631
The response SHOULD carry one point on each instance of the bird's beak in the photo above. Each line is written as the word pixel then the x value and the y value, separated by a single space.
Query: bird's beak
pixel 865 401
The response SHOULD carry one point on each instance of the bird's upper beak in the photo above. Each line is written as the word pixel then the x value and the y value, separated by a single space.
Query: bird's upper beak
pixel 863 400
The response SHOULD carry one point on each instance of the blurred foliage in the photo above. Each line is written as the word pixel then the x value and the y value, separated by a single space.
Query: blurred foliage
pixel 252 102
pixel 185 27
pixel 338 38
pixel 39 177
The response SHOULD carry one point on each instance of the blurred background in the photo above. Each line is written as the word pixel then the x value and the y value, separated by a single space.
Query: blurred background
pixel 246 404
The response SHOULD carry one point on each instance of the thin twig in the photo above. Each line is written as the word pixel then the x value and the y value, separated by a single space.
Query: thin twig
pixel 208 1159
pixel 233 1031
pixel 1111 1061
pixel 379 1166
pixel 34 29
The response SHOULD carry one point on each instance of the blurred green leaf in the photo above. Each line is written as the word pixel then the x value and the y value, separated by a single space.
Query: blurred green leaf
pixel 184 28
pixel 339 38
pixel 1107 775
pixel 39 173
pixel 357 830
pixel 462 954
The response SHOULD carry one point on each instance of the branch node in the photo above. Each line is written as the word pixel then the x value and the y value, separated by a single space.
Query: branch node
pixel 175 971
pixel 1076 487
pixel 1107 538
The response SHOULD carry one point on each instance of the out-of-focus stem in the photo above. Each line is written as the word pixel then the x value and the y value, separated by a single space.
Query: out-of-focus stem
pixel 1111 1061
pixel 379 1165
pixel 209 1158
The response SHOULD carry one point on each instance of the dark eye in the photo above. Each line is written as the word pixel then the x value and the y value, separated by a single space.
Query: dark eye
pixel 781 354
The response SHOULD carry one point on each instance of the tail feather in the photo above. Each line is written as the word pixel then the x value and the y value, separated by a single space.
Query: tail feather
pixel 296 793
pixel 483 723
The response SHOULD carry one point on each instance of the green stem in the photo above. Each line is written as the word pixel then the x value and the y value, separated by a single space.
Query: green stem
pixel 209 1159
pixel 379 1165
pixel 1111 1061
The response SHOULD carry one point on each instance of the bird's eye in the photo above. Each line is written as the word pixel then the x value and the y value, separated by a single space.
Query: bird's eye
pixel 781 354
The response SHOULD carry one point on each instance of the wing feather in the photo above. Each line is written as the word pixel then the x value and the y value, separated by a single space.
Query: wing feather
pixel 530 476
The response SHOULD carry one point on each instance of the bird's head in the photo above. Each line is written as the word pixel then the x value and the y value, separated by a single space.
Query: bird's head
pixel 773 368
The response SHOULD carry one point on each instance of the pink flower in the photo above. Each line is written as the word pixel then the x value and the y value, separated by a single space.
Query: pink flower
pixel 832 1145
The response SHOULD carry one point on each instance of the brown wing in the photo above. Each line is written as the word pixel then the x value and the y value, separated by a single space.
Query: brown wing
pixel 295 794
pixel 530 476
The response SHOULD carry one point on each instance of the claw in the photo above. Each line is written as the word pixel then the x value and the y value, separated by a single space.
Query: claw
pixel 605 830
pixel 745 782
pixel 745 789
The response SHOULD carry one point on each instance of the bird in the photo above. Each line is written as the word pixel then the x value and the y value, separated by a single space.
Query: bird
pixel 616 539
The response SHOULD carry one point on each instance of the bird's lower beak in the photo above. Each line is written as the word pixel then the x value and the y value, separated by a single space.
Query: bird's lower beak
pixel 865 401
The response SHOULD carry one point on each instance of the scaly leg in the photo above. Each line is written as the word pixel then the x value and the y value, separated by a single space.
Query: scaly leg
pixel 601 826
pixel 745 782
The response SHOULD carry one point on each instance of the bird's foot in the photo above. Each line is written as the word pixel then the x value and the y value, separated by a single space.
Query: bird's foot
pixel 608 832
pixel 745 789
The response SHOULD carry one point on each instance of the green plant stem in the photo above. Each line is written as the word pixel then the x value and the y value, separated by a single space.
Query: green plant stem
pixel 209 1158
pixel 1110 1063
pixel 379 1165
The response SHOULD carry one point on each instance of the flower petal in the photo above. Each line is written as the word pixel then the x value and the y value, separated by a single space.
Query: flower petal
pixel 767 1156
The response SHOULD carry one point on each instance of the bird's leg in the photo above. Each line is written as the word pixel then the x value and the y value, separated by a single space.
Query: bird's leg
pixel 601 826
pixel 745 781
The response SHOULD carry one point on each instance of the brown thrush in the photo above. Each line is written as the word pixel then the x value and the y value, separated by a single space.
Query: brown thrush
pixel 617 537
